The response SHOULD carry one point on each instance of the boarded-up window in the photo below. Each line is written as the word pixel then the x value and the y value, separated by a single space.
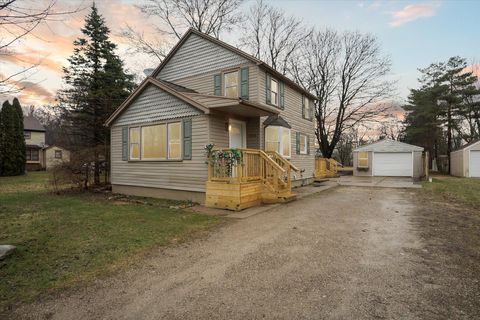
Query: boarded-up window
pixel 362 159
pixel 174 139
pixel 134 139
pixel 154 142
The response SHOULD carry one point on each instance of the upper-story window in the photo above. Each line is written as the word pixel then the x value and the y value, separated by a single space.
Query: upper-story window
pixel 274 91
pixel 307 111
pixel 231 84
pixel 27 135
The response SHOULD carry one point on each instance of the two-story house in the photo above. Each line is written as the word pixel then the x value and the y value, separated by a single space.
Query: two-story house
pixel 209 92
pixel 40 156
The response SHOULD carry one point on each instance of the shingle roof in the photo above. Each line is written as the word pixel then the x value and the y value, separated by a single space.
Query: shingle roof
pixel 31 123
pixel 276 120
pixel 468 145
pixel 177 87
pixel 388 145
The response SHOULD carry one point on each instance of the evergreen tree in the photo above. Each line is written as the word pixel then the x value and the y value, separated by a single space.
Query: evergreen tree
pixel 19 138
pixel 2 148
pixel 10 144
pixel 97 85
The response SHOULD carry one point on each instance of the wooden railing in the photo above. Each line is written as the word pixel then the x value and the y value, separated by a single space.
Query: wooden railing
pixel 326 168
pixel 255 165
pixel 286 165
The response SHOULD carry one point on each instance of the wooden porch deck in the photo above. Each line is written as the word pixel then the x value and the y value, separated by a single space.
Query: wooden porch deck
pixel 257 177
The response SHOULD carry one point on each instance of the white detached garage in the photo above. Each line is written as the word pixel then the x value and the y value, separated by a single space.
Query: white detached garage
pixel 388 158
pixel 465 162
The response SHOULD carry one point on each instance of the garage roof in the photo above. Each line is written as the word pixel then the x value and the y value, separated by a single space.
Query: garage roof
pixel 468 145
pixel 388 145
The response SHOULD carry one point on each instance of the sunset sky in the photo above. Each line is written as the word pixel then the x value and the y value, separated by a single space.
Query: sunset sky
pixel 413 34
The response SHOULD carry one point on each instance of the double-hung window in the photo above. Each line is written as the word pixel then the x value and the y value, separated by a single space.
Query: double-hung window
pixel 303 143
pixel 156 142
pixel 362 161
pixel 32 155
pixel 58 154
pixel 231 84
pixel 274 92
pixel 307 108
pixel 278 139
pixel 27 135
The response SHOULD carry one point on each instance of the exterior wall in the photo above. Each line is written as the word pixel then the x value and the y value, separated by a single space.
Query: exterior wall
pixel 458 163
pixel 193 196
pixel 218 131
pixel 198 56
pixel 359 171
pixel 155 106
pixel 50 160
pixel 189 175
pixel 293 115
pixel 417 164
pixel 36 137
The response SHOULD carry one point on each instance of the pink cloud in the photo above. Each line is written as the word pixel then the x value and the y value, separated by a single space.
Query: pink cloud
pixel 412 12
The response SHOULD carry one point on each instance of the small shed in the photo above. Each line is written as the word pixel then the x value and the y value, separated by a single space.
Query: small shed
pixel 55 155
pixel 465 162
pixel 388 158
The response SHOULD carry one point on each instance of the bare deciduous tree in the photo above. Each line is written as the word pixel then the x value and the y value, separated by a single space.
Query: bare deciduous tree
pixel 19 18
pixel 272 36
pixel 347 72
pixel 176 16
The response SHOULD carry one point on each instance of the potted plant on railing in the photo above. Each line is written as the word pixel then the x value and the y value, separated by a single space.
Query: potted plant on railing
pixel 223 160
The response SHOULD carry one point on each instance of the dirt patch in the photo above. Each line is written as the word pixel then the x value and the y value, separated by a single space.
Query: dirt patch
pixel 449 264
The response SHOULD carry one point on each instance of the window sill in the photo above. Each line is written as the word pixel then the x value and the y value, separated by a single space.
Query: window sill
pixel 156 160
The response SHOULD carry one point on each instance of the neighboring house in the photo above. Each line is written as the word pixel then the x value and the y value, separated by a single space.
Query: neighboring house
pixel 388 158
pixel 55 155
pixel 207 92
pixel 40 156
pixel 465 162
pixel 34 134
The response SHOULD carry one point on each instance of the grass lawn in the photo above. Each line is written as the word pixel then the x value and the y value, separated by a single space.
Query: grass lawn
pixel 464 190
pixel 64 239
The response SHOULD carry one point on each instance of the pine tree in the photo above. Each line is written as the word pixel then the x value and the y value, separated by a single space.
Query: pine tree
pixel 2 148
pixel 97 85
pixel 10 147
pixel 19 138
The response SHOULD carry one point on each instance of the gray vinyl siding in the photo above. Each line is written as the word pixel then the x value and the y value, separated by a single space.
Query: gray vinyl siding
pixel 153 104
pixel 292 113
pixel 204 83
pixel 190 175
pixel 218 132
pixel 253 133
pixel 417 164
pixel 199 56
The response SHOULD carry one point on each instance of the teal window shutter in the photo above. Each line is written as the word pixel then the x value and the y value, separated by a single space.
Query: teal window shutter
pixel 308 144
pixel 297 142
pixel 304 116
pixel 281 89
pixel 217 84
pixel 125 144
pixel 268 90
pixel 244 82
pixel 187 139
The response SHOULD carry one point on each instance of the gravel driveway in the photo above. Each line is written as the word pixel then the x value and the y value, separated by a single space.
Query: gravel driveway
pixel 347 253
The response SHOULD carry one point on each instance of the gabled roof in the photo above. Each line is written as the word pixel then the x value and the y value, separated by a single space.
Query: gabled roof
pixel 468 145
pixel 388 145
pixel 30 123
pixel 276 120
pixel 171 88
pixel 243 54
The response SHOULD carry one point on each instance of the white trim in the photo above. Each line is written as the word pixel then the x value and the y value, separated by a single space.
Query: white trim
pixel 244 132
pixel 373 160
pixel 412 163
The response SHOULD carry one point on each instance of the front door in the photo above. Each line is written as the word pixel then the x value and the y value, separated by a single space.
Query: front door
pixel 237 132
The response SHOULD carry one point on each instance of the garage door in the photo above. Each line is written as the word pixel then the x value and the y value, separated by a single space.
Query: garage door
pixel 392 164
pixel 475 164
